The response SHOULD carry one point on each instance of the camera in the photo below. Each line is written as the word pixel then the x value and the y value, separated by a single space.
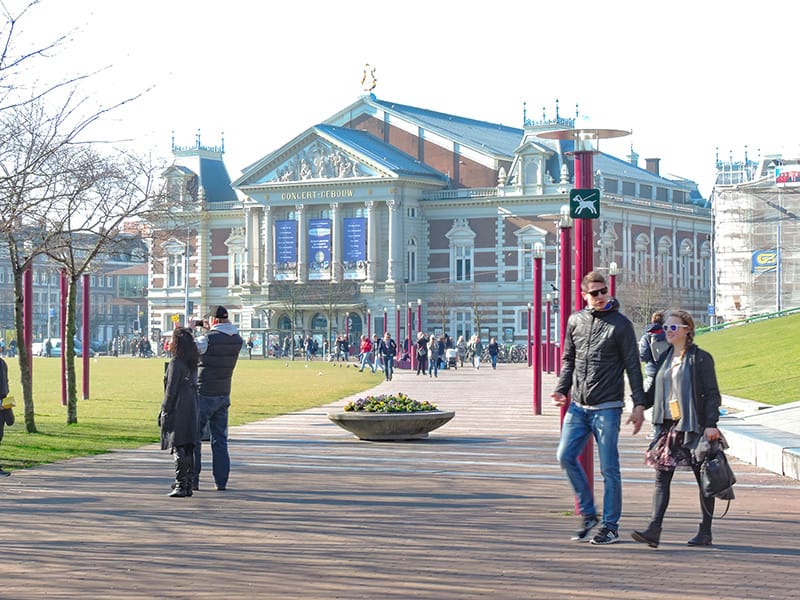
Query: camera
pixel 198 323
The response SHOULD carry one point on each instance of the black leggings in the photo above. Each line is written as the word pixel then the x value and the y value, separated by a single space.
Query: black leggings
pixel 661 498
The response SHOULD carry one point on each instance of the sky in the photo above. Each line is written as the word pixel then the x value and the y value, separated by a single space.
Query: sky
pixel 690 80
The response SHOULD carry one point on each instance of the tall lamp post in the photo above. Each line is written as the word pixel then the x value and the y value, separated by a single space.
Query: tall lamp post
pixel 565 283
pixel 529 353
pixel 397 326
pixel 538 255
pixel 613 271
pixel 586 140
pixel 347 334
pixel 385 326
pixel 419 314
pixel 369 324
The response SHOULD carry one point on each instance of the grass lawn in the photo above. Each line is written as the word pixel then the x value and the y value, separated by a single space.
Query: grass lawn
pixel 126 394
pixel 758 361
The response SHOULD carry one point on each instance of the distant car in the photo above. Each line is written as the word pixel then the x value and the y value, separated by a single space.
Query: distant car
pixel 55 350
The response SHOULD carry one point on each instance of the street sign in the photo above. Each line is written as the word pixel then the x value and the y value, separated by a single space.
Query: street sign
pixel 584 203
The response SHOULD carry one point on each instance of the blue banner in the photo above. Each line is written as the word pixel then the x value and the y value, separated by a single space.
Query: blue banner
pixel 285 242
pixel 319 246
pixel 354 240
pixel 765 261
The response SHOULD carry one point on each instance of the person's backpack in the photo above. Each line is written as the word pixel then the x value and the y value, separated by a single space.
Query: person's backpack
pixel 658 347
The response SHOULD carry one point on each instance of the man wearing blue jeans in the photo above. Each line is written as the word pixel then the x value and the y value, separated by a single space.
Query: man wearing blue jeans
pixel 219 352
pixel 599 345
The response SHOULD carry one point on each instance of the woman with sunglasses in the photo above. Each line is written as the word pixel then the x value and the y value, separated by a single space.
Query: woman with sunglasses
pixel 685 399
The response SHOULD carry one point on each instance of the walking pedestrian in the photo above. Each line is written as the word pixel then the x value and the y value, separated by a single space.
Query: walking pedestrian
pixel 599 346
pixel 7 407
pixel 365 352
pixel 686 402
pixel 219 352
pixel 494 350
pixel 178 416
pixel 461 349
pixel 388 350
pixel 422 353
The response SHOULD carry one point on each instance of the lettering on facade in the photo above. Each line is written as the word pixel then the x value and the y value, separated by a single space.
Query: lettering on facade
pixel 316 195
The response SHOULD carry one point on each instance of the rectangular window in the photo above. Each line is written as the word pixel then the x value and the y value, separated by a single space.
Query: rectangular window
pixel 411 266
pixel 175 270
pixel 611 185
pixel 646 191
pixel 662 194
pixel 526 261
pixel 628 188
pixel 239 271
pixel 411 212
pixel 463 265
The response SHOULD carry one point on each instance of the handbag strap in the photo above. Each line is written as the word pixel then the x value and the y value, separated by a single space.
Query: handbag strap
pixel 711 514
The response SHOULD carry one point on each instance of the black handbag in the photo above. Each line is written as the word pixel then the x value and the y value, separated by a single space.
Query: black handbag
pixel 716 476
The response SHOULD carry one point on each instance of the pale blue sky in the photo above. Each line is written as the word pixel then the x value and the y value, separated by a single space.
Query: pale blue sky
pixel 685 78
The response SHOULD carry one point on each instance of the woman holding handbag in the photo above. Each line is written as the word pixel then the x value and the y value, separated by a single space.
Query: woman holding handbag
pixel 685 399
pixel 178 416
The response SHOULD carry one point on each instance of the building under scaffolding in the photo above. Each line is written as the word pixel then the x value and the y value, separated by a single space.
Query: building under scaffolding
pixel 757 237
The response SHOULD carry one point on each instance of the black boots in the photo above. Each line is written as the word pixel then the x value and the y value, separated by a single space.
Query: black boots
pixel 703 538
pixel 649 536
pixel 184 462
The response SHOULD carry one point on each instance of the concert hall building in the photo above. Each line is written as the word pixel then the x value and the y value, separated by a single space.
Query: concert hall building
pixel 383 206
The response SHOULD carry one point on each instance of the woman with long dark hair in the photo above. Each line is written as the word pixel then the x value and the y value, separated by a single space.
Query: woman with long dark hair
pixel 686 401
pixel 178 417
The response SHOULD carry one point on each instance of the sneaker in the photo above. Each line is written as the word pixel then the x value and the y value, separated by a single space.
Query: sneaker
pixel 587 525
pixel 605 537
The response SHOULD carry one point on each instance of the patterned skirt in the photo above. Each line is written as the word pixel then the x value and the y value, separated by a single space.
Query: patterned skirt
pixel 667 452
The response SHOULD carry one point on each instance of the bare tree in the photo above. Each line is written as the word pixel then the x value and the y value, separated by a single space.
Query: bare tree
pixel 97 194
pixel 441 303
pixel 330 296
pixel 288 295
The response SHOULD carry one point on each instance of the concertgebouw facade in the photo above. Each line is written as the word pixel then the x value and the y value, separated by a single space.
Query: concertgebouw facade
pixel 383 205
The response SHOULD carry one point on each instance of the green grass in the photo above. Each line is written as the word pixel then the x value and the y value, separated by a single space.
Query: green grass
pixel 126 394
pixel 759 361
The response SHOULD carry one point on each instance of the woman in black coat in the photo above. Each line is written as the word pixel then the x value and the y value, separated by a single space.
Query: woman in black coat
pixel 685 399
pixel 178 417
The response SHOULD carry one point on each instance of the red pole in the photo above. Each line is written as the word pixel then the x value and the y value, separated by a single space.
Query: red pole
pixel 411 354
pixel 583 264
pixel 419 314
pixel 565 283
pixel 397 325
pixel 27 313
pixel 529 353
pixel 369 324
pixel 347 334
pixel 548 362
pixel 63 331
pixel 86 346
pixel 385 316
pixel 537 329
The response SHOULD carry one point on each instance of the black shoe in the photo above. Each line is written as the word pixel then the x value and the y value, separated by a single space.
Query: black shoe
pixel 219 488
pixel 583 533
pixel 4 473
pixel 703 538
pixel 649 536
pixel 178 492
pixel 605 537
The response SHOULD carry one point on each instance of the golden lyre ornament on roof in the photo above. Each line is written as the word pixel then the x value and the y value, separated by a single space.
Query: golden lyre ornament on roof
pixel 368 80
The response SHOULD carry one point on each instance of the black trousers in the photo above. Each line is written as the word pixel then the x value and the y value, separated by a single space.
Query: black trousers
pixel 661 498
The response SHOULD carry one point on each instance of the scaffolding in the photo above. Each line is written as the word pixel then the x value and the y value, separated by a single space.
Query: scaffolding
pixel 756 238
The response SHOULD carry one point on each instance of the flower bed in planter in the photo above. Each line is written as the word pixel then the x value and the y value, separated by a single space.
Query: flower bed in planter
pixel 390 417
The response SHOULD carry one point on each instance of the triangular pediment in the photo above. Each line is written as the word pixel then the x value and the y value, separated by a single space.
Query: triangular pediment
pixel 311 157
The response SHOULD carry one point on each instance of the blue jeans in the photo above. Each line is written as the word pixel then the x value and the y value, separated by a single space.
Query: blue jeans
pixel 388 366
pixel 579 424
pixel 365 362
pixel 494 360
pixel 214 411
pixel 433 367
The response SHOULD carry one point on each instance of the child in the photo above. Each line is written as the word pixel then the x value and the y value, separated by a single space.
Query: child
pixel 7 411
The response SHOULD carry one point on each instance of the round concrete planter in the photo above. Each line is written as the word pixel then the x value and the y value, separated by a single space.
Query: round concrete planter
pixel 390 426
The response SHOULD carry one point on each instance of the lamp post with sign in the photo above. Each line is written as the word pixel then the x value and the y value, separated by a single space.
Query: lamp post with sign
pixel 613 271
pixel 538 255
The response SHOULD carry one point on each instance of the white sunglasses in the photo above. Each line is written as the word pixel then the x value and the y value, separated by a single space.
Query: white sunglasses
pixel 674 327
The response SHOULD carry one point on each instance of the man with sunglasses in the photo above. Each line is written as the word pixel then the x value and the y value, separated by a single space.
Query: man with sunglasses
pixel 599 346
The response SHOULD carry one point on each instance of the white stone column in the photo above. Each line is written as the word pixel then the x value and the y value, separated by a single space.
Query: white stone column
pixel 269 250
pixel 394 239
pixel 372 241
pixel 302 244
pixel 336 243
pixel 252 243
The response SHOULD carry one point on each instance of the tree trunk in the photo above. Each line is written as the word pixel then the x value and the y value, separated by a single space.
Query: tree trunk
pixel 68 350
pixel 25 360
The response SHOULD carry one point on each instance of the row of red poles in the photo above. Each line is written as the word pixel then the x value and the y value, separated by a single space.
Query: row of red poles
pixel 27 323
pixel 409 326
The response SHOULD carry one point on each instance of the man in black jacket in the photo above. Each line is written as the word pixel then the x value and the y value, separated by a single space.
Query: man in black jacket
pixel 219 351
pixel 599 345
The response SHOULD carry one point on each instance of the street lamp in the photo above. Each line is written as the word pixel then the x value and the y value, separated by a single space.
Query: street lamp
pixel 613 271
pixel 538 255
pixel 369 324
pixel 397 325
pixel 565 282
pixel 419 314
pixel 411 354
pixel 384 321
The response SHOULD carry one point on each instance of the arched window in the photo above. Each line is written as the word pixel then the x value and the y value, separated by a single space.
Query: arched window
pixel 685 264
pixel 705 265
pixel 237 266
pixel 319 323
pixel 663 261
pixel 285 323
pixel 640 262
pixel 411 259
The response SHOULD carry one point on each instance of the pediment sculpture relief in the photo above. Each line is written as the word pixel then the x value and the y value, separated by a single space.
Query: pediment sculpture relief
pixel 319 161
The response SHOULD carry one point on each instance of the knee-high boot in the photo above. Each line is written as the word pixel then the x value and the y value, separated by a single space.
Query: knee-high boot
pixel 189 469
pixel 179 489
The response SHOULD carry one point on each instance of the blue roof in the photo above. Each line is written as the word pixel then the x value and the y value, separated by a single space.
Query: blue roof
pixel 489 137
pixel 387 156
pixel 211 173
